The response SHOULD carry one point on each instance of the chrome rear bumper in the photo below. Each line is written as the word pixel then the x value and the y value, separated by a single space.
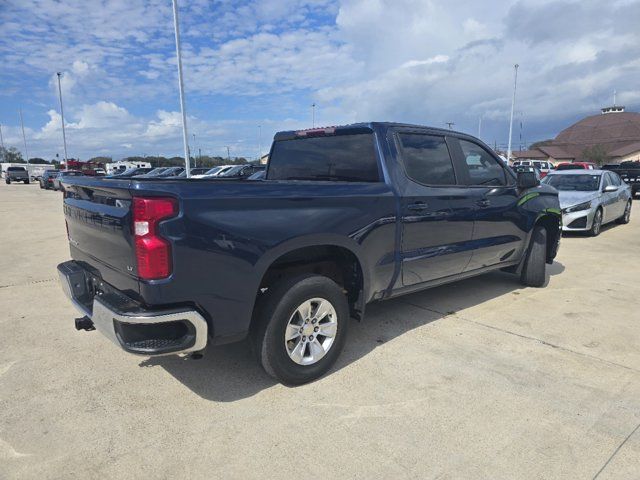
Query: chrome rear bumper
pixel 134 329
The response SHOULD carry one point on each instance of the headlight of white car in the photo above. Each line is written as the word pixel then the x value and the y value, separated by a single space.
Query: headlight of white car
pixel 577 208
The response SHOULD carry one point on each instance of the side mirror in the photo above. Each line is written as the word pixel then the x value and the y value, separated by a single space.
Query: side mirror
pixel 610 188
pixel 528 180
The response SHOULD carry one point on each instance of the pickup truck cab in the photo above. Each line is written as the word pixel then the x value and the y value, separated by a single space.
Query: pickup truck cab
pixel 16 174
pixel 345 216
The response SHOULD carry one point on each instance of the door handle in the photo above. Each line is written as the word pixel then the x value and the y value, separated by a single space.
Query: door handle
pixel 417 207
pixel 484 203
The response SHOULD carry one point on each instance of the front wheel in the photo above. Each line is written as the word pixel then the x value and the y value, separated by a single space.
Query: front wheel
pixel 8 181
pixel 535 263
pixel 27 181
pixel 596 226
pixel 301 330
pixel 626 216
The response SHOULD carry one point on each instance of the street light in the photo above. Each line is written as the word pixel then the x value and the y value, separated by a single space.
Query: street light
pixel 24 138
pixel 64 136
pixel 259 142
pixel 313 115
pixel 185 136
pixel 513 104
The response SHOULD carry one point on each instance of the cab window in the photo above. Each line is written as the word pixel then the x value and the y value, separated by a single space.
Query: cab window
pixel 483 168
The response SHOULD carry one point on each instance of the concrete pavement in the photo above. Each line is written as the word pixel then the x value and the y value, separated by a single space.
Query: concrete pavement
pixel 479 379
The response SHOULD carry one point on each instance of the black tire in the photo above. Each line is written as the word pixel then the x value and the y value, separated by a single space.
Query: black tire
pixel 626 216
pixel 27 181
pixel 596 226
pixel 534 271
pixel 274 313
pixel 8 181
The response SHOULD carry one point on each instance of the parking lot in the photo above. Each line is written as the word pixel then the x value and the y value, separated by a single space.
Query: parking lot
pixel 478 379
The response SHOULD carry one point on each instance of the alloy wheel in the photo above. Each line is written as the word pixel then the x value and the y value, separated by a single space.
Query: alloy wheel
pixel 311 331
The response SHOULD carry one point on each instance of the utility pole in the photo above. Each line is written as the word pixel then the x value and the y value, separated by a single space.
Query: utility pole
pixel 479 126
pixel 228 154
pixel 313 115
pixel 64 136
pixel 449 124
pixel 185 136
pixel 194 148
pixel 1 142
pixel 513 104
pixel 24 138
pixel 259 142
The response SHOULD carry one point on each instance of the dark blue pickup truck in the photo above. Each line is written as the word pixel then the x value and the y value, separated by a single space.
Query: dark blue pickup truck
pixel 345 216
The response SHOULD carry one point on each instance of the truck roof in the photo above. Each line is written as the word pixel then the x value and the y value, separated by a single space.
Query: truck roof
pixel 362 127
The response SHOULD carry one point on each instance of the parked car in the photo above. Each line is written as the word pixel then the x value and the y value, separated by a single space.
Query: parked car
pixel 46 180
pixel 214 172
pixel 576 166
pixel 259 175
pixel 194 171
pixel 346 216
pixel 16 174
pixel 57 185
pixel 543 166
pixel 591 199
pixel 629 173
pixel 153 173
pixel 131 172
pixel 241 171
pixel 165 172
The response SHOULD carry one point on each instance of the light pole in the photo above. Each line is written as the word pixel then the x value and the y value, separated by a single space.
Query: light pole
pixel 313 115
pixel 1 142
pixel 228 154
pixel 64 136
pixel 24 138
pixel 259 142
pixel 479 126
pixel 194 149
pixel 513 104
pixel 449 124
pixel 185 136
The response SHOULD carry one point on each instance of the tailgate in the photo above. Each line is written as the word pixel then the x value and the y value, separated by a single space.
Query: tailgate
pixel 98 216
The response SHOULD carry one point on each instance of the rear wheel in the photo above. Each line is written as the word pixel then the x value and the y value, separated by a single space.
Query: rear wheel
pixel 301 328
pixel 7 181
pixel 27 181
pixel 535 264
pixel 596 226
pixel 626 216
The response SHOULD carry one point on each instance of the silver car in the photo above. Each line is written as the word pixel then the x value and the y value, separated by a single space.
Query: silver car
pixel 590 199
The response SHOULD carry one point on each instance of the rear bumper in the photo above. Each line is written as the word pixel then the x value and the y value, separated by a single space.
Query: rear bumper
pixel 126 323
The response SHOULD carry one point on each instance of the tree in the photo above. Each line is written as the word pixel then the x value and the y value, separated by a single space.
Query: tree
pixel 101 159
pixel 11 155
pixel 596 154
pixel 37 161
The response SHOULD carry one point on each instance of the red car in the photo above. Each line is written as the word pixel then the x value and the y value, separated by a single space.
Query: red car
pixel 576 166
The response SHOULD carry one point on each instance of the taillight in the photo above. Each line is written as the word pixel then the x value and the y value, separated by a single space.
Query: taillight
pixel 153 253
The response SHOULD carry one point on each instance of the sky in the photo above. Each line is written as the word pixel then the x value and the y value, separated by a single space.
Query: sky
pixel 252 68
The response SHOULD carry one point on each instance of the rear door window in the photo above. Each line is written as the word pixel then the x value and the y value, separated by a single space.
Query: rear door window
pixel 346 158
pixel 426 159
pixel 482 167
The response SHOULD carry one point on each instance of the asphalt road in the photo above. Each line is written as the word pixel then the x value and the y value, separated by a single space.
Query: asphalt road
pixel 479 379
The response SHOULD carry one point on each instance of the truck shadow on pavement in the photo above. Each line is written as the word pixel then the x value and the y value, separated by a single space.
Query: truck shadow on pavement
pixel 228 373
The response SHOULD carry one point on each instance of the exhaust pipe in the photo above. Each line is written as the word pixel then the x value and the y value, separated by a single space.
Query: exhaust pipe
pixel 84 323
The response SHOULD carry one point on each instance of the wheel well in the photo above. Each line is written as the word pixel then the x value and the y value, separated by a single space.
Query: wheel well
pixel 552 226
pixel 337 263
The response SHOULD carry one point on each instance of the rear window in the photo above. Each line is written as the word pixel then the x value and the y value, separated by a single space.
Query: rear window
pixel 346 158
pixel 16 169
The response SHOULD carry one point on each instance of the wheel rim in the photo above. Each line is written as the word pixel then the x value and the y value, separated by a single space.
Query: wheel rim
pixel 311 331
pixel 597 221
